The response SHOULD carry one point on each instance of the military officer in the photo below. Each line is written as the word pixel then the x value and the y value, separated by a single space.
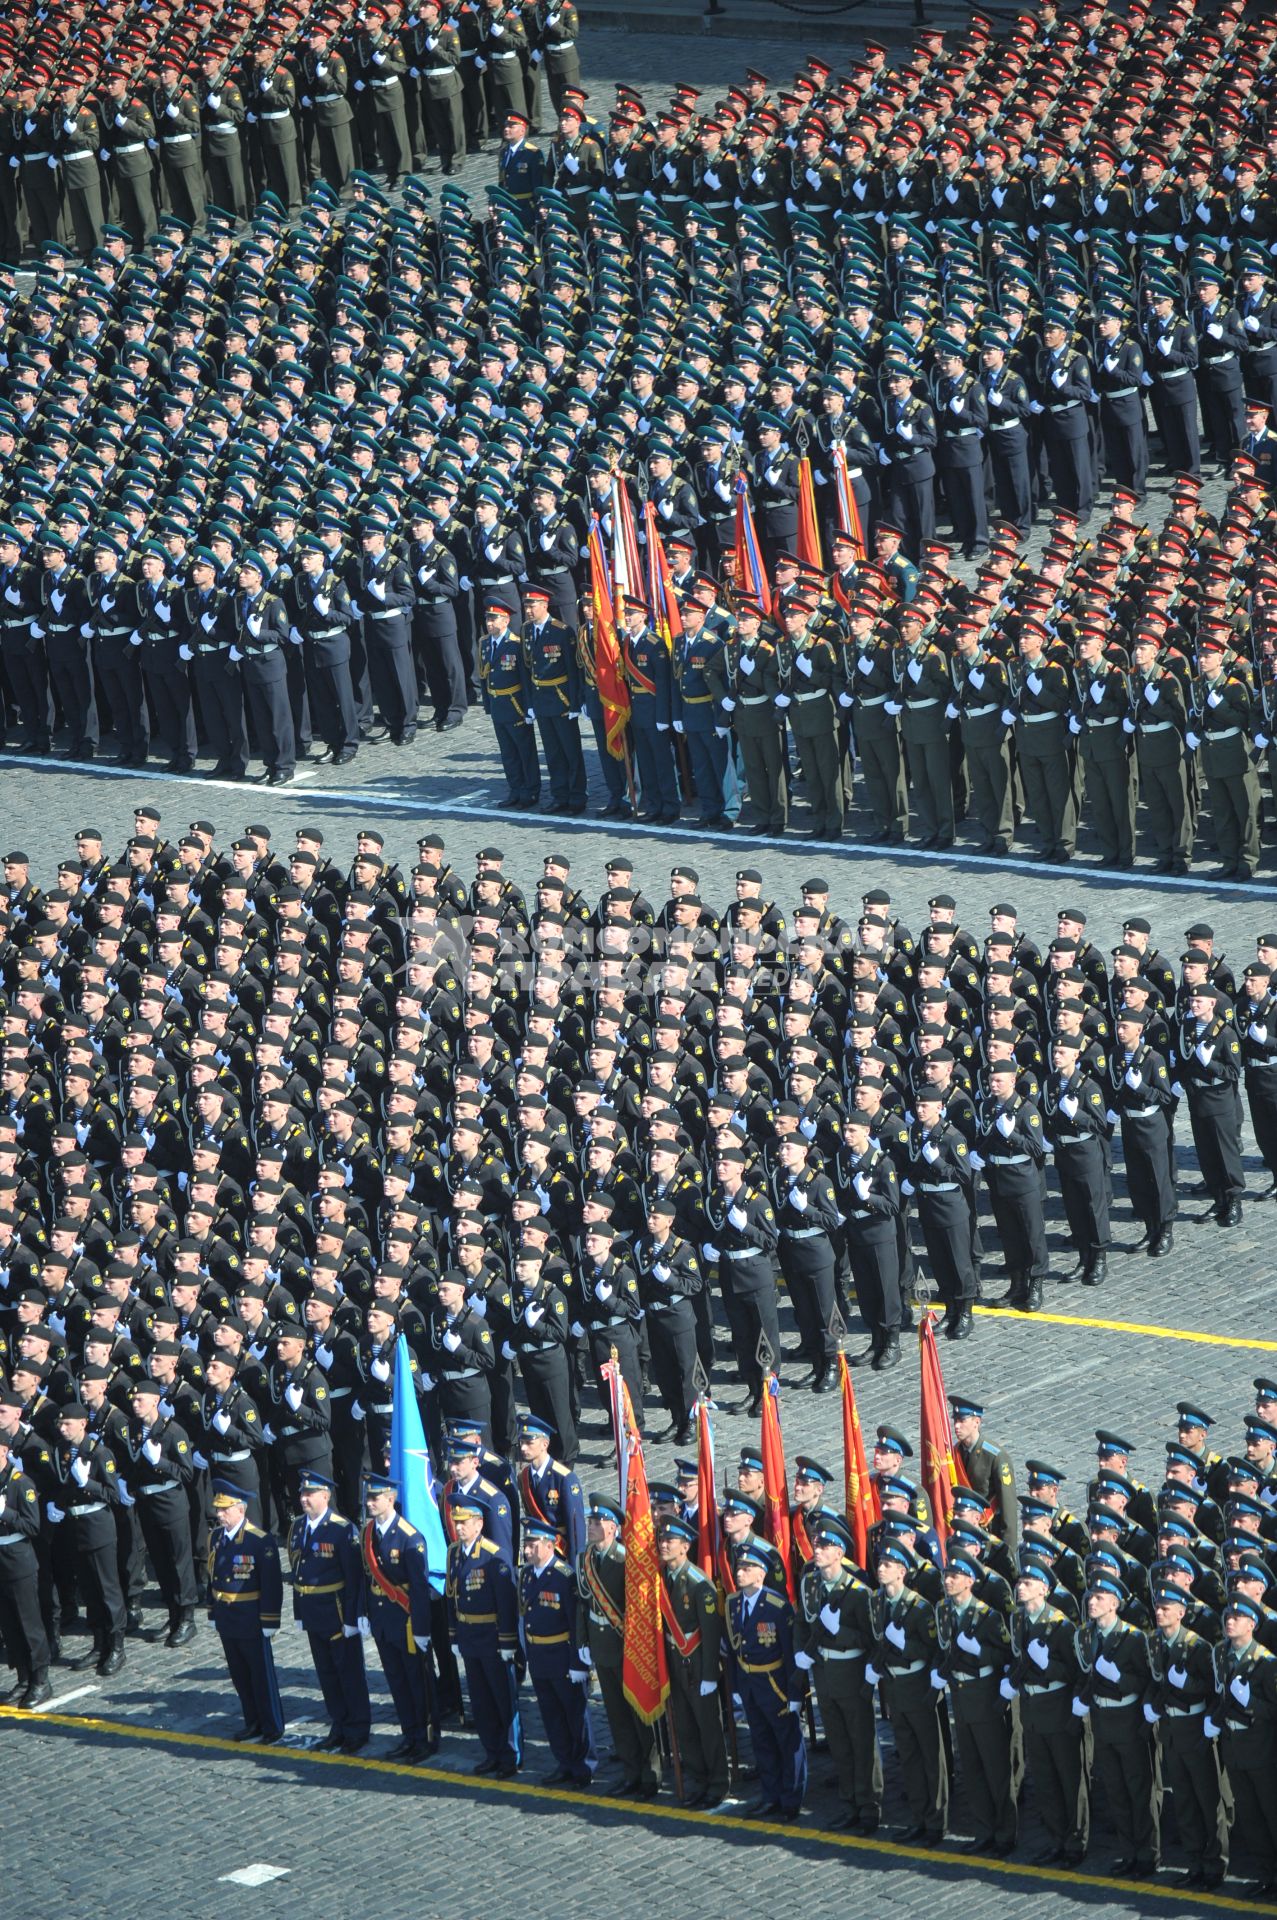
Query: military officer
pixel 987 1467
pixel 1219 723
pixel 22 1631
pixel 809 675
pixel 836 1637
pixel 1182 1694
pixel 692 1625
pixel 247 1594
pixel 555 699
pixel 483 1612
pixel 1045 1676
pixel 904 1659
pixel 1116 1662
pixel 260 625
pixel 551 1633
pixel 649 675
pixel 507 697
pixel 330 1606
pixel 601 1584
pixel 396 1591
pixel 760 1633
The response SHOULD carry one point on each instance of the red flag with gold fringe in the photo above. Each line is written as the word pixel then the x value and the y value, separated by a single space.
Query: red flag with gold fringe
pixel 941 1469
pixel 776 1524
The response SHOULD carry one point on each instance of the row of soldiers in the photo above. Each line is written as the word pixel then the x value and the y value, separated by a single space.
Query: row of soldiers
pixel 263 1120
pixel 98 129
pixel 1119 1656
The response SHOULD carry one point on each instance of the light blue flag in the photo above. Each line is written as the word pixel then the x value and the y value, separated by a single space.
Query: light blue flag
pixel 410 1470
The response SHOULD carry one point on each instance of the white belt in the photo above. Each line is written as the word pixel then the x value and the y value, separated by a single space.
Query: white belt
pixel 95 1506
pixel 819 694
pixel 134 146
pixel 176 139
pixel 1073 1139
pixel 978 713
pixel 382 1406
pixel 804 1233
pixel 1229 733
pixel 327 633
pixel 1123 1700
pixel 281 114
pixel 915 1666
pixel 11 1539
pixel 1177 373
pixel 1046 1686
pixel 328 99
pixel 386 613
pixel 1220 359
pixel 878 700
pixel 916 706
pixel 842 1653
pixel 1142 1113
pixel 1064 406
pixel 1160 726
pixel 765 206
pixel 437 73
pixel 1185 1713
pixel 938 1186
pixel 161 1486
pixel 1003 426
pixel 1105 720
pixel 1119 393
pixel 391 82
pixel 981 1673
pixel 1008 1159
pixel 219 126
pixel 1033 719
pixel 31 158
pixel 245 1453
pixel 496 56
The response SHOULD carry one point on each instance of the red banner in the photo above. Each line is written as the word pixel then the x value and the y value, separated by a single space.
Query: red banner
pixel 848 511
pixel 644 1668
pixel 863 1507
pixel 708 1542
pixel 940 1468
pixel 776 1481
pixel 807 541
pixel 751 575
pixel 667 616
pixel 609 678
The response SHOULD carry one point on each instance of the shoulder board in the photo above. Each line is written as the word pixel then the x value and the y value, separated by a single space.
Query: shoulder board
pixel 987 1446
pixel 256 1533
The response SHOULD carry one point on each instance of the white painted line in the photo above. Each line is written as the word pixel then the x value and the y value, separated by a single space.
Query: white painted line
pixel 63 1700
pixel 426 804
pixel 256 1875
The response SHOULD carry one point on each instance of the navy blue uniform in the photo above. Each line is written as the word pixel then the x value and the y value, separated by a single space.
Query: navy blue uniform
pixel 247 1597
pixel 550 653
pixel 386 600
pixel 647 669
pixel 484 1613
pixel 552 1633
pixel 398 1589
pixel 697 713
pixel 498 1519
pixel 507 693
pixel 761 1632
pixel 261 633
pixel 555 1496
pixel 328 1602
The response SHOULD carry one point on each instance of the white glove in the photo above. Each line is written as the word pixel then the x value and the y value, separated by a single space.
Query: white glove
pixel 938 1681
pixel 1210 1729
pixel 951 712
pixel 872 1676
pixel 804 1660
pixel 1215 331
pixel 915 671
pixel 356 1411
pixel 1204 1053
pixel 200 1461
pixel 678 726
pixel 56 1514
pixel 1177 1089
pixel 803 665
pixel 1068 1106
pixel 1080 1709
pixel 1240 1690
pixel 845 700
pixel 151 1448
pixel 1040 1654
pixel 1178 1676
pixel 830 1618
pixel 1106 1667
pixel 1132 1079
pixel 184 653
pixel 577 1330
pixel 1008 718
pixel 126 1498
pixel 1192 741
pixel 896 1635
pixel 350 1633
pixel 1035 406
pixel 860 1182
pixel 893 707
pixel 268 1633
pixel 380 1370
pixel 1075 725
pixel 507 1351
pixel 377 588
pixel 583 1655
pixel 324 1358
pixel 1251 323
pixel 709 1251
pixel 662 726
pixel 782 701
pixel 1005 1688
pixel 1150 1715
pixel 1257 1031
pixel 1005 1124
pixel 708 1687
pixel 798 1199
pixel 1060 377
pixel 968 1643
pixel 364 1626
pixel 80 1470
pixel 737 1218
pixel 428 1382
pixel 451 1340
pixel 930 1152
pixel 235 654
pixel 905 430
pixel 1152 694
pixel 579 1676
pixel 1128 726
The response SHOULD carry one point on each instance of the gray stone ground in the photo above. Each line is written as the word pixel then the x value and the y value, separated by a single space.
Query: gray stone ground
pixel 95 1820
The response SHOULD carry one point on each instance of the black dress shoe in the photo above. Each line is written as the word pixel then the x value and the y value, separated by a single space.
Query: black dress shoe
pixel 558 1778
pixel 110 1663
pixel 1230 1215
pixel 331 1743
pixel 486 1765
pixel 507 1769
pixel 14 1694
pixel 1048 1856
pixel 357 1745
pixel 912 1835
pixel 180 1635
pixel 246 1734
pixel 1124 1864
pixel 35 1696
pixel 401 1751
pixel 762 1809
pixel 1162 1245
pixel 964 1325
pixel 344 758
pixel 824 1379
pixel 279 779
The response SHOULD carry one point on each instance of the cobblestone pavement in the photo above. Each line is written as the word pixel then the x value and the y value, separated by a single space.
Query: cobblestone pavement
pixel 96 1818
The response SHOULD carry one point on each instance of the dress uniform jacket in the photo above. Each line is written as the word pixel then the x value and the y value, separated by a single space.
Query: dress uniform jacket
pixel 836 1635
pixel 247 1591
pixel 760 1632
pixel 904 1658
pixel 693 1638
pixel 483 1609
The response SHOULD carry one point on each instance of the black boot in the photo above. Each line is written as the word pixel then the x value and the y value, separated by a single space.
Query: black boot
pixel 113 1659
pixel 37 1693
pixel 1032 1301
pixel 1161 1246
pixel 1097 1271
pixel 889 1355
pixel 824 1378
pixel 183 1630
pixel 15 1692
pixel 964 1325
pixel 89 1659
pixel 1230 1212
pixel 1014 1295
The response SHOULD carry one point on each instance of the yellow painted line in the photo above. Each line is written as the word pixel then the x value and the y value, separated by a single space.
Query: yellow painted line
pixel 1130 1326
pixel 640 1812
